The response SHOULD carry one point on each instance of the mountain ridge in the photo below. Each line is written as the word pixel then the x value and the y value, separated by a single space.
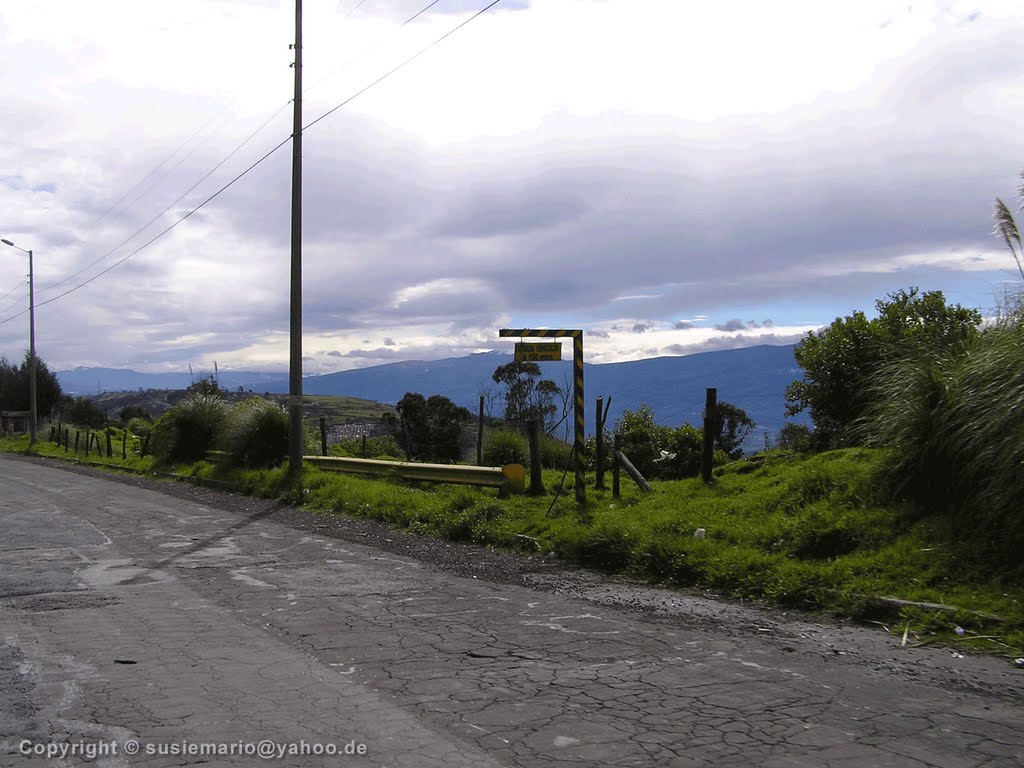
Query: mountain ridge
pixel 753 378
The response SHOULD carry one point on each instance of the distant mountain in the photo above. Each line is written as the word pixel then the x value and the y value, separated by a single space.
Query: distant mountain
pixel 93 381
pixel 754 379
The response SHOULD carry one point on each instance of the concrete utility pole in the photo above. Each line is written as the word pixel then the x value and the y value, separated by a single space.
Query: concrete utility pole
pixel 295 432
pixel 31 346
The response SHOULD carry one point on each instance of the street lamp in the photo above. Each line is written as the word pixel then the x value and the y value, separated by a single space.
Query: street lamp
pixel 31 346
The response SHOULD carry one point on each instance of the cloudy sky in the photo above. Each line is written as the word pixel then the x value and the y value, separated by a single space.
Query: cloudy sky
pixel 671 176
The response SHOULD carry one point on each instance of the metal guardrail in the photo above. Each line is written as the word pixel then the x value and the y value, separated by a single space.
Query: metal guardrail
pixel 511 477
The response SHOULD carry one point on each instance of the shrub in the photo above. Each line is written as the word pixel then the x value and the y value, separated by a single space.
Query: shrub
pixel 504 446
pixel 140 427
pixel 132 412
pixel 661 452
pixel 256 433
pixel 590 451
pixel 431 427
pixel 686 449
pixel 554 453
pixel 85 413
pixel 955 430
pixel 379 445
pixel 642 440
pixel 188 430
pixel 795 437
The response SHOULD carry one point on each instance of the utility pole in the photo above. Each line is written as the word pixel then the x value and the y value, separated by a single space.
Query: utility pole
pixel 31 344
pixel 295 358
pixel 32 415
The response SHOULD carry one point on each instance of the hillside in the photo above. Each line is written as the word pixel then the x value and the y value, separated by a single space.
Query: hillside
pixel 754 378
pixel 338 409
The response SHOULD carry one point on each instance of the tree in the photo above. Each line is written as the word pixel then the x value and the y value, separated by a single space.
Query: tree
pixel 527 398
pixel 130 412
pixel 431 427
pixel 731 427
pixel 842 361
pixel 15 387
pixel 795 437
pixel 84 412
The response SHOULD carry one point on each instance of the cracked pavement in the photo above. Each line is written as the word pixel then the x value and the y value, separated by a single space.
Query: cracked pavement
pixel 137 609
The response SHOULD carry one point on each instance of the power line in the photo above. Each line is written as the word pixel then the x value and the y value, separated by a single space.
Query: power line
pixel 231 183
pixel 143 180
pixel 149 223
pixel 363 50
pixel 355 8
pixel 411 59
pixel 208 174
pixel 19 285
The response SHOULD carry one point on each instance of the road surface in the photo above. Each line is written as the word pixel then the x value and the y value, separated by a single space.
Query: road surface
pixel 137 615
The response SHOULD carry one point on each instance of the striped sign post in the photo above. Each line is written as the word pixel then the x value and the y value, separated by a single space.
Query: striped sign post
pixel 577 390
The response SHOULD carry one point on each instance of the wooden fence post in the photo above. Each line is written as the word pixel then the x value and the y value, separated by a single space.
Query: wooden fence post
pixel 110 447
pixel 88 442
pixel 633 472
pixel 480 434
pixel 67 438
pixel 615 465
pixel 77 435
pixel 323 435
pixel 710 408
pixel 599 445
pixel 536 479
pixel 124 445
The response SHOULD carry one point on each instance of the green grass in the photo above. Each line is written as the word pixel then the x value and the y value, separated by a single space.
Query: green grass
pixel 800 532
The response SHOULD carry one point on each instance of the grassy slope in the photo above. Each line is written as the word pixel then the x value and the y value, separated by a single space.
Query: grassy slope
pixel 339 409
pixel 794 531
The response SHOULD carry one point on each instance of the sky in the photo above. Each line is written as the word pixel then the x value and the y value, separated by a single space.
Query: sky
pixel 672 177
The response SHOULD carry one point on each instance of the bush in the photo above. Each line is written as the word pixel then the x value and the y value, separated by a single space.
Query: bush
pixel 256 434
pixel 590 451
pixel 132 412
pixel 686 450
pixel 377 446
pixel 140 427
pixel 504 446
pixel 795 437
pixel 188 430
pixel 642 440
pixel 85 413
pixel 554 453
pixel 955 430
pixel 661 452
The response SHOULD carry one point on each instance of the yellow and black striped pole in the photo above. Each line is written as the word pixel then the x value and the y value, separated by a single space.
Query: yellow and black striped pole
pixel 578 401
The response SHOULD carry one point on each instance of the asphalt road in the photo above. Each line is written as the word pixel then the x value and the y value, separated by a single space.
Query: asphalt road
pixel 138 613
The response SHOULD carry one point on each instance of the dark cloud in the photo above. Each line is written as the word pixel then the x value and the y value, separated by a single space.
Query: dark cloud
pixel 641 327
pixel 731 325
pixel 683 325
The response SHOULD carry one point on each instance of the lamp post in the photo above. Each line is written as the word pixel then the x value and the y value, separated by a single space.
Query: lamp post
pixel 31 346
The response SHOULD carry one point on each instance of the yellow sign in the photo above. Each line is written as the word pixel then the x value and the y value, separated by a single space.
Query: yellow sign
pixel 538 353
